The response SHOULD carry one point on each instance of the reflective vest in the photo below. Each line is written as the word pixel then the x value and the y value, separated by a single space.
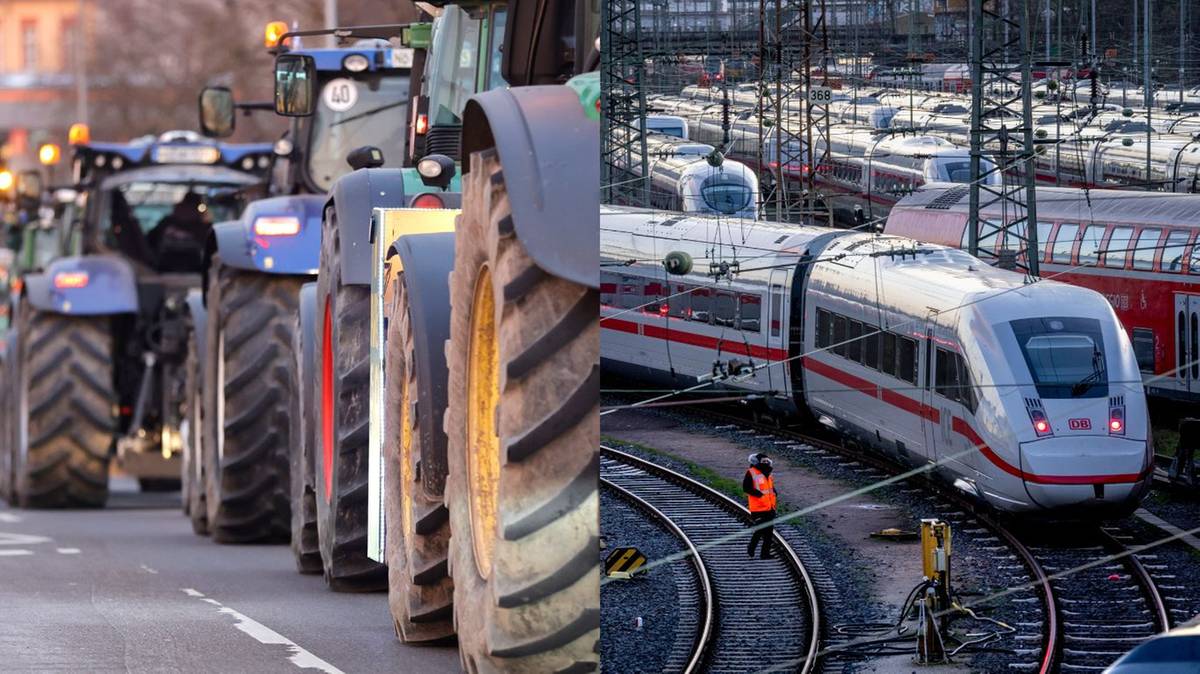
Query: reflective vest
pixel 766 485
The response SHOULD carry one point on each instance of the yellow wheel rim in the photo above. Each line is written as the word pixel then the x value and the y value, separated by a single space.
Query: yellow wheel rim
pixel 483 441
pixel 406 468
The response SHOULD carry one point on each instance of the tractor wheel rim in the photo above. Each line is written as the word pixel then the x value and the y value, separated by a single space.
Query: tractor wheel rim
pixel 327 402
pixel 483 440
pixel 408 486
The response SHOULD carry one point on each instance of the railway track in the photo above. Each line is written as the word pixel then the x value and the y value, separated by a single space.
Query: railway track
pixel 1089 617
pixel 742 601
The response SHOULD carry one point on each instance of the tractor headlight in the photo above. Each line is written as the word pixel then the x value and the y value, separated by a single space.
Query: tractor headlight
pixel 355 63
pixel 429 168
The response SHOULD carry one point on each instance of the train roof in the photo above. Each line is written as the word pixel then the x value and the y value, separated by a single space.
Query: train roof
pixel 910 279
pixel 1065 203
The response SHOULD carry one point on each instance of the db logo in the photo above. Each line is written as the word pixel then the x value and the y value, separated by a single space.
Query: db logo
pixel 1079 424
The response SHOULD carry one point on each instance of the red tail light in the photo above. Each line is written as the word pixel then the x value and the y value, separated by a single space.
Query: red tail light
pixel 1116 420
pixel 428 200
pixel 1041 425
pixel 71 279
pixel 422 124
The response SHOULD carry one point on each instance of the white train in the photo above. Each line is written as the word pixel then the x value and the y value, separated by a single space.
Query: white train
pixel 1026 396
pixel 683 180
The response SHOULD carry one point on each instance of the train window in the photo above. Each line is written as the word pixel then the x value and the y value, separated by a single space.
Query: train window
pixel 608 288
pixel 1194 259
pixel 679 304
pixel 871 347
pixel 1089 244
pixel 952 380
pixel 654 302
pixel 1143 348
pixel 888 358
pixel 854 347
pixel 1146 249
pixel 824 327
pixel 1172 259
pixel 944 374
pixel 906 352
pixel 724 309
pixel 1043 238
pixel 631 292
pixel 839 335
pixel 776 317
pixel 1065 356
pixel 1064 241
pixel 1117 250
pixel 701 305
pixel 750 313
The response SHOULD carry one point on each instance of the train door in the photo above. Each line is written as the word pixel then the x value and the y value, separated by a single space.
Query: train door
pixel 1187 342
pixel 777 337
pixel 929 426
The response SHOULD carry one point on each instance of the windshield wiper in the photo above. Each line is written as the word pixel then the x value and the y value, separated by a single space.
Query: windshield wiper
pixel 368 113
pixel 1087 382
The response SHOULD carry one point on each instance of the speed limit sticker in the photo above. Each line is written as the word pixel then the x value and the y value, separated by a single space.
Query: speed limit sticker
pixel 340 95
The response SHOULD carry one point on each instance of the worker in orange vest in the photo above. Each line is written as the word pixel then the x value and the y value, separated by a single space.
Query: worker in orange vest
pixel 761 495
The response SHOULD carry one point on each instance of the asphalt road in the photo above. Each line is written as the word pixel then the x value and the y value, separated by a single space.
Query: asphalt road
pixel 131 589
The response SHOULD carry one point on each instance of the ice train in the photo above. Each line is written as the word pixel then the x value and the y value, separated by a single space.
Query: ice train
pixel 1025 395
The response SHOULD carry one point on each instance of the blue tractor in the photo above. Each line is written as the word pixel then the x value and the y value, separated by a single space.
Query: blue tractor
pixel 95 366
pixel 246 480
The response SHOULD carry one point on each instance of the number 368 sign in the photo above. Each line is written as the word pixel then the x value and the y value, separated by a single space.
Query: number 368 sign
pixel 820 95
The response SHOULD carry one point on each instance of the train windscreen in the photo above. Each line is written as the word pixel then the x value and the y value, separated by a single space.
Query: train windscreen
pixel 1064 355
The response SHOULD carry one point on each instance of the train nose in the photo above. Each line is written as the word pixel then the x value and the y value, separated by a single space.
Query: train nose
pixel 1089 472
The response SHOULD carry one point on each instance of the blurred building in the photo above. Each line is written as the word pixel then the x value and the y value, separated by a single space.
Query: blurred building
pixel 40 66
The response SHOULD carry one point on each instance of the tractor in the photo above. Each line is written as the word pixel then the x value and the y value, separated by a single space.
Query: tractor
pixel 488 346
pixel 95 360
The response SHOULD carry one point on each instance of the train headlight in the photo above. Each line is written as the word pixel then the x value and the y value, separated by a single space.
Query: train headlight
pixel 1116 420
pixel 1041 425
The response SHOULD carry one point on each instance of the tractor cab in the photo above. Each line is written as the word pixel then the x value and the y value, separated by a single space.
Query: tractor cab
pixel 356 93
pixel 153 201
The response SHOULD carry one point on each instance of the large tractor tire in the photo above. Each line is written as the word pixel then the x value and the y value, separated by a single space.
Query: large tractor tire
pixel 341 388
pixel 306 549
pixel 194 504
pixel 248 381
pixel 523 428
pixel 420 592
pixel 63 410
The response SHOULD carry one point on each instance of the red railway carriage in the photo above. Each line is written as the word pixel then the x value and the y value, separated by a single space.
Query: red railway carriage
pixel 1139 249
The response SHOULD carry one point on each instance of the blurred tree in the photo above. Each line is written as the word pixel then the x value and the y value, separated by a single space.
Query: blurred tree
pixel 147 60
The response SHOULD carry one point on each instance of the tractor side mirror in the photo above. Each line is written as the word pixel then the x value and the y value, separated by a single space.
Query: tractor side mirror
pixel 295 85
pixel 217 118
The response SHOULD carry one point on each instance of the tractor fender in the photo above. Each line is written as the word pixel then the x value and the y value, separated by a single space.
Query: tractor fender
pixel 308 335
pixel 353 198
pixel 426 261
pixel 199 315
pixel 108 288
pixel 540 134
pixel 241 247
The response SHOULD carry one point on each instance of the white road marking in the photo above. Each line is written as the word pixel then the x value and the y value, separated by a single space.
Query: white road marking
pixel 68 551
pixel 263 634
pixel 1166 526
pixel 148 569
pixel 15 553
pixel 21 539
pixel 9 517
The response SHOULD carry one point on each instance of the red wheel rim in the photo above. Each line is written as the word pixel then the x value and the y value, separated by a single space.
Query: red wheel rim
pixel 327 402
